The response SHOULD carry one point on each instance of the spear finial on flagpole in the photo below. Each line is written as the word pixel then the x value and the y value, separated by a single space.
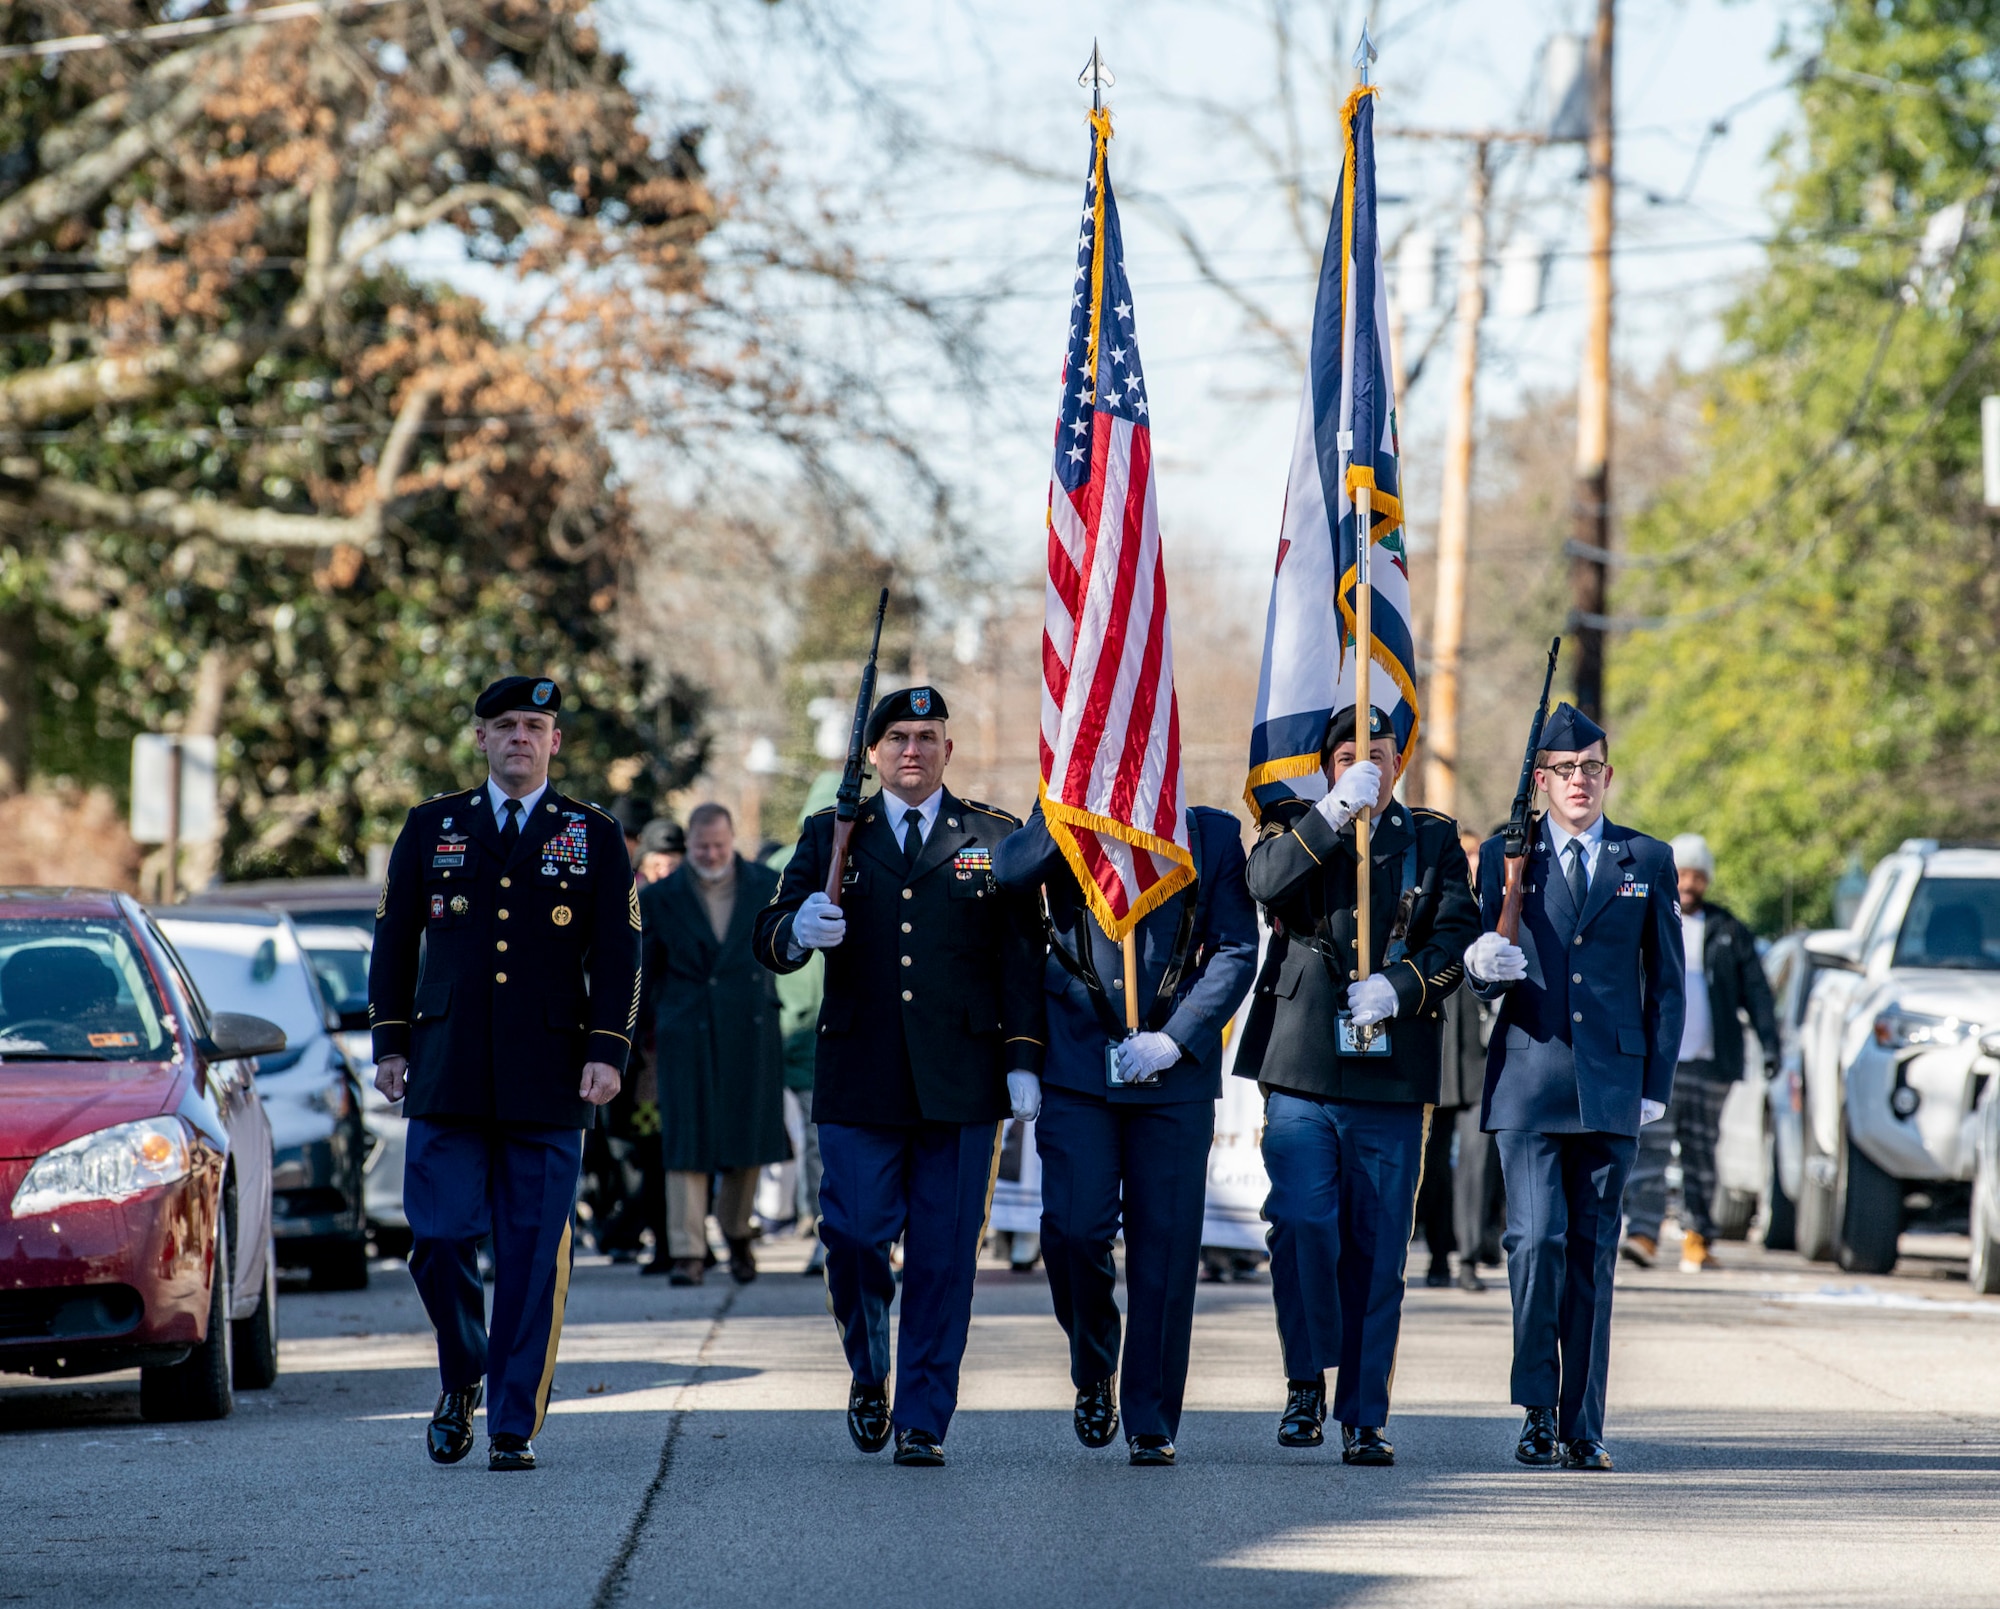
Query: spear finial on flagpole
pixel 1096 77
pixel 1364 53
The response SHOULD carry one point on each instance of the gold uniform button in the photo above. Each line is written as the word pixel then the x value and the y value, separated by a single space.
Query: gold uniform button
pixel 502 945
pixel 506 882
pixel 907 995
pixel 499 977
pixel 1576 1016
pixel 503 916
pixel 906 960
pixel 909 893
pixel 906 927
pixel 1576 977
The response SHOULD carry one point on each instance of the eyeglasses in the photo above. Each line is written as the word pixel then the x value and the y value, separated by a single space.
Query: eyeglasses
pixel 1591 769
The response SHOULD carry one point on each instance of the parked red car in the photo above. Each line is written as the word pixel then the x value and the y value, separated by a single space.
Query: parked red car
pixel 135 1161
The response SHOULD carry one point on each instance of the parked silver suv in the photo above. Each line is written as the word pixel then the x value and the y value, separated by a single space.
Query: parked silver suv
pixel 1893 1071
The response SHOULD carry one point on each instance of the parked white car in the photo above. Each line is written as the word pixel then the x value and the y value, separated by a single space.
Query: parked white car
pixel 1892 1059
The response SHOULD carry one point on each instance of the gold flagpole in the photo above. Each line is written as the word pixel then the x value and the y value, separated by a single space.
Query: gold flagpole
pixel 1364 654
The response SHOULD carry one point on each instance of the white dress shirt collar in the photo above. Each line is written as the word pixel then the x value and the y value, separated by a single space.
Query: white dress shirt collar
pixel 928 810
pixel 1592 839
pixel 496 796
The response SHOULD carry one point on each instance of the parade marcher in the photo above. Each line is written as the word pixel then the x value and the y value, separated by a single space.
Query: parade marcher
pixel 717 1048
pixel 931 1029
pixel 1134 1150
pixel 1582 1055
pixel 1344 1133
pixel 1724 981
pixel 662 848
pixel 518 904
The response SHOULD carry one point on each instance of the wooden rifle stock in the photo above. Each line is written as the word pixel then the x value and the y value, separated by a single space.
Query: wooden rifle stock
pixel 1517 892
pixel 843 833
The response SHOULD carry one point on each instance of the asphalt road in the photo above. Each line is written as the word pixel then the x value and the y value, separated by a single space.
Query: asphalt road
pixel 1785 1435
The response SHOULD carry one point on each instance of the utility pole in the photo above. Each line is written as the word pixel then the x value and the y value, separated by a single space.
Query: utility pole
pixel 1455 506
pixel 1592 519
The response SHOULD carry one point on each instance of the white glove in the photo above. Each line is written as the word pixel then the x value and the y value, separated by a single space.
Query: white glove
pixel 1143 1055
pixel 1491 959
pixel 1372 1000
pixel 1024 1094
pixel 1357 789
pixel 819 925
pixel 1651 1111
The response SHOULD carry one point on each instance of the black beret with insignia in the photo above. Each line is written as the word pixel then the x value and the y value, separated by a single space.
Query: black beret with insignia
pixel 537 693
pixel 1340 729
pixel 905 704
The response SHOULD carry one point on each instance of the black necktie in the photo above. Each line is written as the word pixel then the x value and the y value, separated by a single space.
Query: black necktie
pixel 510 829
pixel 1579 885
pixel 913 835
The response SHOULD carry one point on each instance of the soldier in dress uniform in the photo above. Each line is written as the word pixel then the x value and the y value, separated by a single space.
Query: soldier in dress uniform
pixel 517 902
pixel 931 1029
pixel 1344 1132
pixel 1582 1054
pixel 1134 1150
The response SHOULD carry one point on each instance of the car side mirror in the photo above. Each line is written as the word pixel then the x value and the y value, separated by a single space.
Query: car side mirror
pixel 1989 1045
pixel 1838 948
pixel 234 1034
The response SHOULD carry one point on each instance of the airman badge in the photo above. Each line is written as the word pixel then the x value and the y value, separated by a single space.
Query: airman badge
pixel 542 692
pixel 460 905
pixel 560 916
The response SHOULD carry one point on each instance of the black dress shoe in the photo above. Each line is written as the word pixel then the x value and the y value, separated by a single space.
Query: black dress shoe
pixel 742 1264
pixel 919 1448
pixel 1150 1450
pixel 1537 1445
pixel 1440 1273
pixel 868 1416
pixel 1468 1278
pixel 1305 1414
pixel 661 1263
pixel 1586 1452
pixel 450 1437
pixel 505 1454
pixel 1097 1414
pixel 1365 1444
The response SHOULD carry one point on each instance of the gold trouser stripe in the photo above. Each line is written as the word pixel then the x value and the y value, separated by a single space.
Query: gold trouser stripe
pixel 992 1180
pixel 555 1326
pixel 1410 1235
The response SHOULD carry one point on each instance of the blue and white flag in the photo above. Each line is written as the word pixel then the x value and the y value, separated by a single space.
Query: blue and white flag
pixel 1346 439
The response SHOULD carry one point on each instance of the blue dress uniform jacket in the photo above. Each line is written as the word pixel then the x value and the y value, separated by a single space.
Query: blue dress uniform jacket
pixel 1596 1024
pixel 1219 962
pixel 1303 873
pixel 935 994
pixel 529 960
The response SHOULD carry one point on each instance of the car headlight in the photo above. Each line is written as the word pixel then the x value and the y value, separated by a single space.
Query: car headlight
pixel 113 1164
pixel 1904 1030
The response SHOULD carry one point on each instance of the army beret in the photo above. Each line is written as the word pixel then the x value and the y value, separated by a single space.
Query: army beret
pixel 661 836
pixel 537 693
pixel 905 704
pixel 1569 731
pixel 1340 728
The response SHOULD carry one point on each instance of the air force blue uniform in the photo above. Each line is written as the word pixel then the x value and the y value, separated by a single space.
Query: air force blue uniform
pixel 1593 1028
pixel 499 970
pixel 1133 1153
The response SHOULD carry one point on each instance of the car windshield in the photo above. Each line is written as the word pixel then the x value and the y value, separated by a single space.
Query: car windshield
pixel 76 989
pixel 1952 922
pixel 342 974
pixel 250 967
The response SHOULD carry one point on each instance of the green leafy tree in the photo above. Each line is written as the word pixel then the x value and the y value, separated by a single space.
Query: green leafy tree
pixel 1819 671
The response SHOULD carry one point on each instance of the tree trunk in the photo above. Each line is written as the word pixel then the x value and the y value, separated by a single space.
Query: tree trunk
pixel 17 697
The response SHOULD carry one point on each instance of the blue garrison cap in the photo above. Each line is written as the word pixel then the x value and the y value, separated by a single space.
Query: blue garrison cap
pixel 1568 730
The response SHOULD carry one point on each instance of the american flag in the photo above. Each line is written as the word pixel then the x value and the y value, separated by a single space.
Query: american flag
pixel 1111 731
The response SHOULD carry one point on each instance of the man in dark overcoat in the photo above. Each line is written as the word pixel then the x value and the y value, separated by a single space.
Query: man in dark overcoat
pixel 717 1046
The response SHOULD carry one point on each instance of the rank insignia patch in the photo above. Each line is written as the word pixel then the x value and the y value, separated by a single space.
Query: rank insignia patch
pixel 460 905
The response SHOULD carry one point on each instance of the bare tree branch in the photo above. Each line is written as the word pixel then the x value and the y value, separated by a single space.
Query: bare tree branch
pixel 63 389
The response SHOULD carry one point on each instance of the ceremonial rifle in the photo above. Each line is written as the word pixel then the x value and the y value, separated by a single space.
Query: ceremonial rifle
pixel 847 802
pixel 1520 824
